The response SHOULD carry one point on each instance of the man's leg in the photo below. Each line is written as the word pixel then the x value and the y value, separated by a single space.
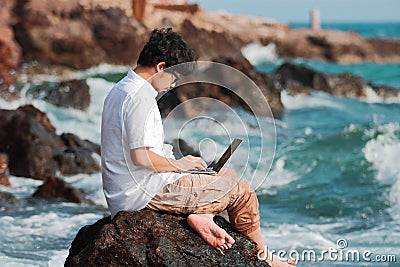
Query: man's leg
pixel 204 196
pixel 201 197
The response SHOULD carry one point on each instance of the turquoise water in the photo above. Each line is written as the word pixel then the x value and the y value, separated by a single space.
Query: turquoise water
pixel 335 174
pixel 343 153
pixel 367 30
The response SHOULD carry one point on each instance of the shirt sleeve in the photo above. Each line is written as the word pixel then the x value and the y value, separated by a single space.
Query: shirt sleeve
pixel 139 120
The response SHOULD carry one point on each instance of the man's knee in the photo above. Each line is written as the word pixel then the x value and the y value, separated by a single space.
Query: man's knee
pixel 245 186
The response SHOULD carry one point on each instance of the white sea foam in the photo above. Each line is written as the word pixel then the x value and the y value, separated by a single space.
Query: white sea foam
pixel 315 99
pixel 91 184
pixel 256 53
pixel 280 235
pixel 85 124
pixel 58 258
pixel 103 68
pixel 373 97
pixel 383 152
pixel 277 177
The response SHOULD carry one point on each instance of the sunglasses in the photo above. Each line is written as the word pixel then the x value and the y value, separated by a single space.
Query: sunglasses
pixel 176 79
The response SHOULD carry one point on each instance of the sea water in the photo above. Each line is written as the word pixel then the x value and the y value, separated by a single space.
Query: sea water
pixel 334 183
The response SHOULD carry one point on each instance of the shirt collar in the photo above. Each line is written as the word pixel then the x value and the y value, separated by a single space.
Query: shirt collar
pixel 132 75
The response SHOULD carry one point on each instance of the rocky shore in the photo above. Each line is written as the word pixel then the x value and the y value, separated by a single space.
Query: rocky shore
pixel 147 238
pixel 60 37
pixel 79 34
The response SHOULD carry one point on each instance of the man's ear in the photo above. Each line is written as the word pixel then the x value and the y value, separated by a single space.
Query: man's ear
pixel 160 66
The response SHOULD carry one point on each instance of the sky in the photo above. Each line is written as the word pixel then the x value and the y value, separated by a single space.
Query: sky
pixel 298 10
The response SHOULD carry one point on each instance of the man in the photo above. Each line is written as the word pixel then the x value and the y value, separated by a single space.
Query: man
pixel 139 171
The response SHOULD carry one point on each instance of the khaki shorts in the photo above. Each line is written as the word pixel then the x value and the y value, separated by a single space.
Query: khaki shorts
pixel 211 194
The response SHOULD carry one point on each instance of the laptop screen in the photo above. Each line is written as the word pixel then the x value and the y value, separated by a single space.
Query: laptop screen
pixel 227 154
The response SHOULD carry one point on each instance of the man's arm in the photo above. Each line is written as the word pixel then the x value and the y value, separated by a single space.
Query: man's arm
pixel 145 158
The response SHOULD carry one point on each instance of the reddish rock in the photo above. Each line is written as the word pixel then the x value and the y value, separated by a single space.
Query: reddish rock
pixel 10 52
pixel 38 116
pixel 56 188
pixel 78 34
pixel 4 179
pixel 147 238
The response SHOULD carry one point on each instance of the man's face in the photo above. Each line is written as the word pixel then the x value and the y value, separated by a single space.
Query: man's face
pixel 164 80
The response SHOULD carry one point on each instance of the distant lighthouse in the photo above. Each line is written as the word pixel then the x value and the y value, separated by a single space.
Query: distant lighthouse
pixel 315 19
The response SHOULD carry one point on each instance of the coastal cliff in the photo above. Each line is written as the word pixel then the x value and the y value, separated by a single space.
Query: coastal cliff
pixel 80 34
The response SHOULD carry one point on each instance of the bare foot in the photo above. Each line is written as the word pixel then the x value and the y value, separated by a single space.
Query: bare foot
pixel 211 233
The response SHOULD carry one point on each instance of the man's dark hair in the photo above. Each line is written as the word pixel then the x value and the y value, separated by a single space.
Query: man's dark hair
pixel 167 46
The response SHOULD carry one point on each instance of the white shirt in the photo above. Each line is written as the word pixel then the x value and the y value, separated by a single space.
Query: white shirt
pixel 130 120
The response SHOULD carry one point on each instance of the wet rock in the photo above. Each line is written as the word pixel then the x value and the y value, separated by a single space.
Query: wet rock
pixel 29 143
pixel 56 188
pixel 69 94
pixel 7 200
pixel 231 95
pixel 298 79
pixel 4 179
pixel 147 238
pixel 77 156
pixel 36 151
pixel 182 149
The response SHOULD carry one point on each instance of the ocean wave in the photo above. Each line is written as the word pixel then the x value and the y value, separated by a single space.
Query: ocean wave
pixel 382 152
pixel 103 68
pixel 373 97
pixel 258 54
pixel 277 177
pixel 302 237
pixel 315 99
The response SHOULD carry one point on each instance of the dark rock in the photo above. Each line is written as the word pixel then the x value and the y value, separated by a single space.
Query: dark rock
pixel 68 94
pixel 36 151
pixel 39 116
pixel 77 156
pixel 386 49
pixel 118 36
pixel 298 79
pixel 4 170
pixel 56 188
pixel 182 149
pixel 7 200
pixel 223 44
pixel 29 143
pixel 231 96
pixel 147 238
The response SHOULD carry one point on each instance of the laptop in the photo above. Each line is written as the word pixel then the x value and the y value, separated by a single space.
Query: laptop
pixel 221 162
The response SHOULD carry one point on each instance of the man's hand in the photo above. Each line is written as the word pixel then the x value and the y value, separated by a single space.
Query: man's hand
pixel 144 157
pixel 190 163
